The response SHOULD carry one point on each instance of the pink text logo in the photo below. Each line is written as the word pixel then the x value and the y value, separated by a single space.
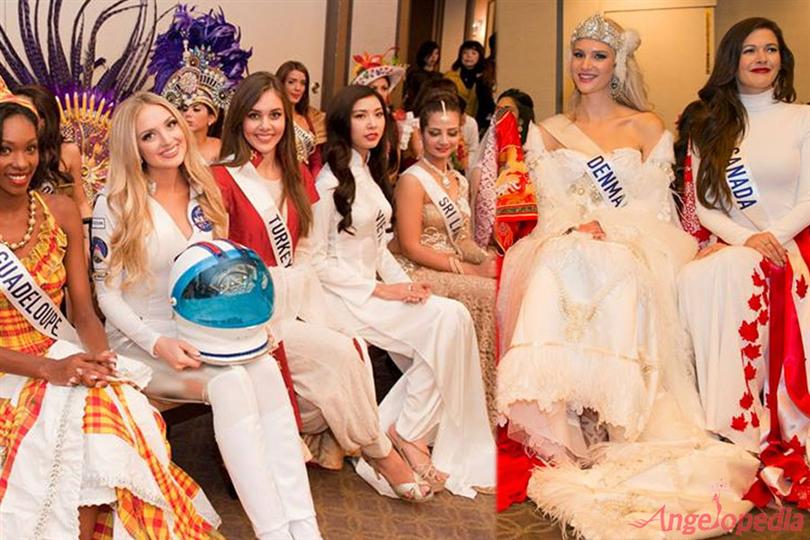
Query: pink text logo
pixel 784 520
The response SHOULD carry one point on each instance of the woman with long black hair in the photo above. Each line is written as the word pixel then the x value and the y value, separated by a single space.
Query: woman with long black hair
pixel 440 398
pixel 474 86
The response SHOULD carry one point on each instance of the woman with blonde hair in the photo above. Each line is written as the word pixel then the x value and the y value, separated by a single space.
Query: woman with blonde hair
pixel 160 199
pixel 595 378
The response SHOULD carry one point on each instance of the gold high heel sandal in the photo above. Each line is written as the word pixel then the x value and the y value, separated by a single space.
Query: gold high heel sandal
pixel 407 491
pixel 426 471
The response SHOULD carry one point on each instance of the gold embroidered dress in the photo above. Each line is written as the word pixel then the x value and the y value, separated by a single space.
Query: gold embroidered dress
pixel 475 292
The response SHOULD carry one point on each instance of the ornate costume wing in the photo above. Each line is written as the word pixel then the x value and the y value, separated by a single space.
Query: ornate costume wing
pixel 87 86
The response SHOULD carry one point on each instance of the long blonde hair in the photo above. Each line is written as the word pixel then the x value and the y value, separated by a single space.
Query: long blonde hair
pixel 127 188
pixel 631 92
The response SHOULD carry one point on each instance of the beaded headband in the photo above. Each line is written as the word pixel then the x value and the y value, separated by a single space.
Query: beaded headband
pixel 6 96
pixel 599 28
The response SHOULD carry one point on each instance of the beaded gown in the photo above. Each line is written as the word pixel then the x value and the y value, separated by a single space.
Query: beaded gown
pixel 593 352
pixel 475 292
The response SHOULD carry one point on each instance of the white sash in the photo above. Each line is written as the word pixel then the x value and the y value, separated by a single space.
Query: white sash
pixel 451 214
pixel 18 286
pixel 599 168
pixel 252 185
pixel 744 189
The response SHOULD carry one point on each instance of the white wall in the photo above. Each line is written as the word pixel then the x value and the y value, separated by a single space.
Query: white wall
pixel 527 50
pixel 278 30
pixel 374 26
pixel 452 31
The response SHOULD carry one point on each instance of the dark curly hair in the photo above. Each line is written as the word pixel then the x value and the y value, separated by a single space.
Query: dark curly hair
pixel 338 152
pixel 50 136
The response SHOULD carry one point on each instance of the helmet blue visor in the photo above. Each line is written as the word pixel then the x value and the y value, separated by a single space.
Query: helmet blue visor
pixel 233 293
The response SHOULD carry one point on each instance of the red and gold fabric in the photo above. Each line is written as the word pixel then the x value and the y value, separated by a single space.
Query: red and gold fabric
pixel 62 447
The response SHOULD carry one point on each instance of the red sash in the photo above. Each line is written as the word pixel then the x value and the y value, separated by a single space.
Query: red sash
pixel 786 354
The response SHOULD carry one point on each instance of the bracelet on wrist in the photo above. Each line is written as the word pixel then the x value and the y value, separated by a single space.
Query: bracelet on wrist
pixel 455 264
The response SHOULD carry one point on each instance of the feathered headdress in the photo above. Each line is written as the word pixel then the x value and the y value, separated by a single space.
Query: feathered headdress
pixel 198 59
pixel 87 86
pixel 370 67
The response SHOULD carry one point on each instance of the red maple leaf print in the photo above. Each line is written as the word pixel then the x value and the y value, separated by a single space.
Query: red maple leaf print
pixel 757 279
pixel 750 371
pixel 747 400
pixel 801 287
pixel 749 331
pixel 754 420
pixel 751 351
pixel 763 317
pixel 754 303
pixel 739 423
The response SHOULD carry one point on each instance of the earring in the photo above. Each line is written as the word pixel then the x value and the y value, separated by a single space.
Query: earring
pixel 614 87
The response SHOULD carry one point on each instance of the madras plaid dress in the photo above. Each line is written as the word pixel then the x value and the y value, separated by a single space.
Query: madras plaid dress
pixel 117 424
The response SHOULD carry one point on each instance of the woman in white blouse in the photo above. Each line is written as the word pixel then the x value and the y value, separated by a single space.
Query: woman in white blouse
pixel 440 398
pixel 745 298
pixel 160 199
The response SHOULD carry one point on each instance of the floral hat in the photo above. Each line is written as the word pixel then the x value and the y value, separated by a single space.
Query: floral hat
pixel 370 67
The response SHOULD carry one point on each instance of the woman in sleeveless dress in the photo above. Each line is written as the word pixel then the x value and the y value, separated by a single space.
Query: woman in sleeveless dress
pixel 434 234
pixel 78 452
pixel 593 351
pixel 309 122
pixel 160 199
pixel 745 299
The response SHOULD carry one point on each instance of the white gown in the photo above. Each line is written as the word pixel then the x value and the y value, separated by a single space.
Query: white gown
pixel 441 394
pixel 589 324
pixel 723 297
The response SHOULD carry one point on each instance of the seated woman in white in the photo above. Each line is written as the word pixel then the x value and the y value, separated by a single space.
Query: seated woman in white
pixel 160 199
pixel 593 350
pixel 440 398
pixel 745 298
pixel 263 186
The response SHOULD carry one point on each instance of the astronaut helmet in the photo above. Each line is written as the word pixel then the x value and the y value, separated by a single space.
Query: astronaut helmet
pixel 222 296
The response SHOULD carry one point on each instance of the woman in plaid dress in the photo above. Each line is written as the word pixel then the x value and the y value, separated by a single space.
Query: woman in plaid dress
pixel 81 454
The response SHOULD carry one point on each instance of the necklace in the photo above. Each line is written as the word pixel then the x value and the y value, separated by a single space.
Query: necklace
pixel 443 175
pixel 32 220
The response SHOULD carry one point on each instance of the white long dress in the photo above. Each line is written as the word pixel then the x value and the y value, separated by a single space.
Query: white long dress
pixel 591 324
pixel 441 394
pixel 723 297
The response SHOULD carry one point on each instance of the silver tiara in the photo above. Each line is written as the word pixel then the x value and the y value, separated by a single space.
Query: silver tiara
pixel 598 28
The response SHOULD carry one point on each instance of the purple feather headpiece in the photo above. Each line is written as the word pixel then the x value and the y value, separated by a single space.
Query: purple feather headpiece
pixel 198 59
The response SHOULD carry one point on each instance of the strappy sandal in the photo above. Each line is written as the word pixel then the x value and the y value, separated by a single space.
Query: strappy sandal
pixel 407 491
pixel 427 471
